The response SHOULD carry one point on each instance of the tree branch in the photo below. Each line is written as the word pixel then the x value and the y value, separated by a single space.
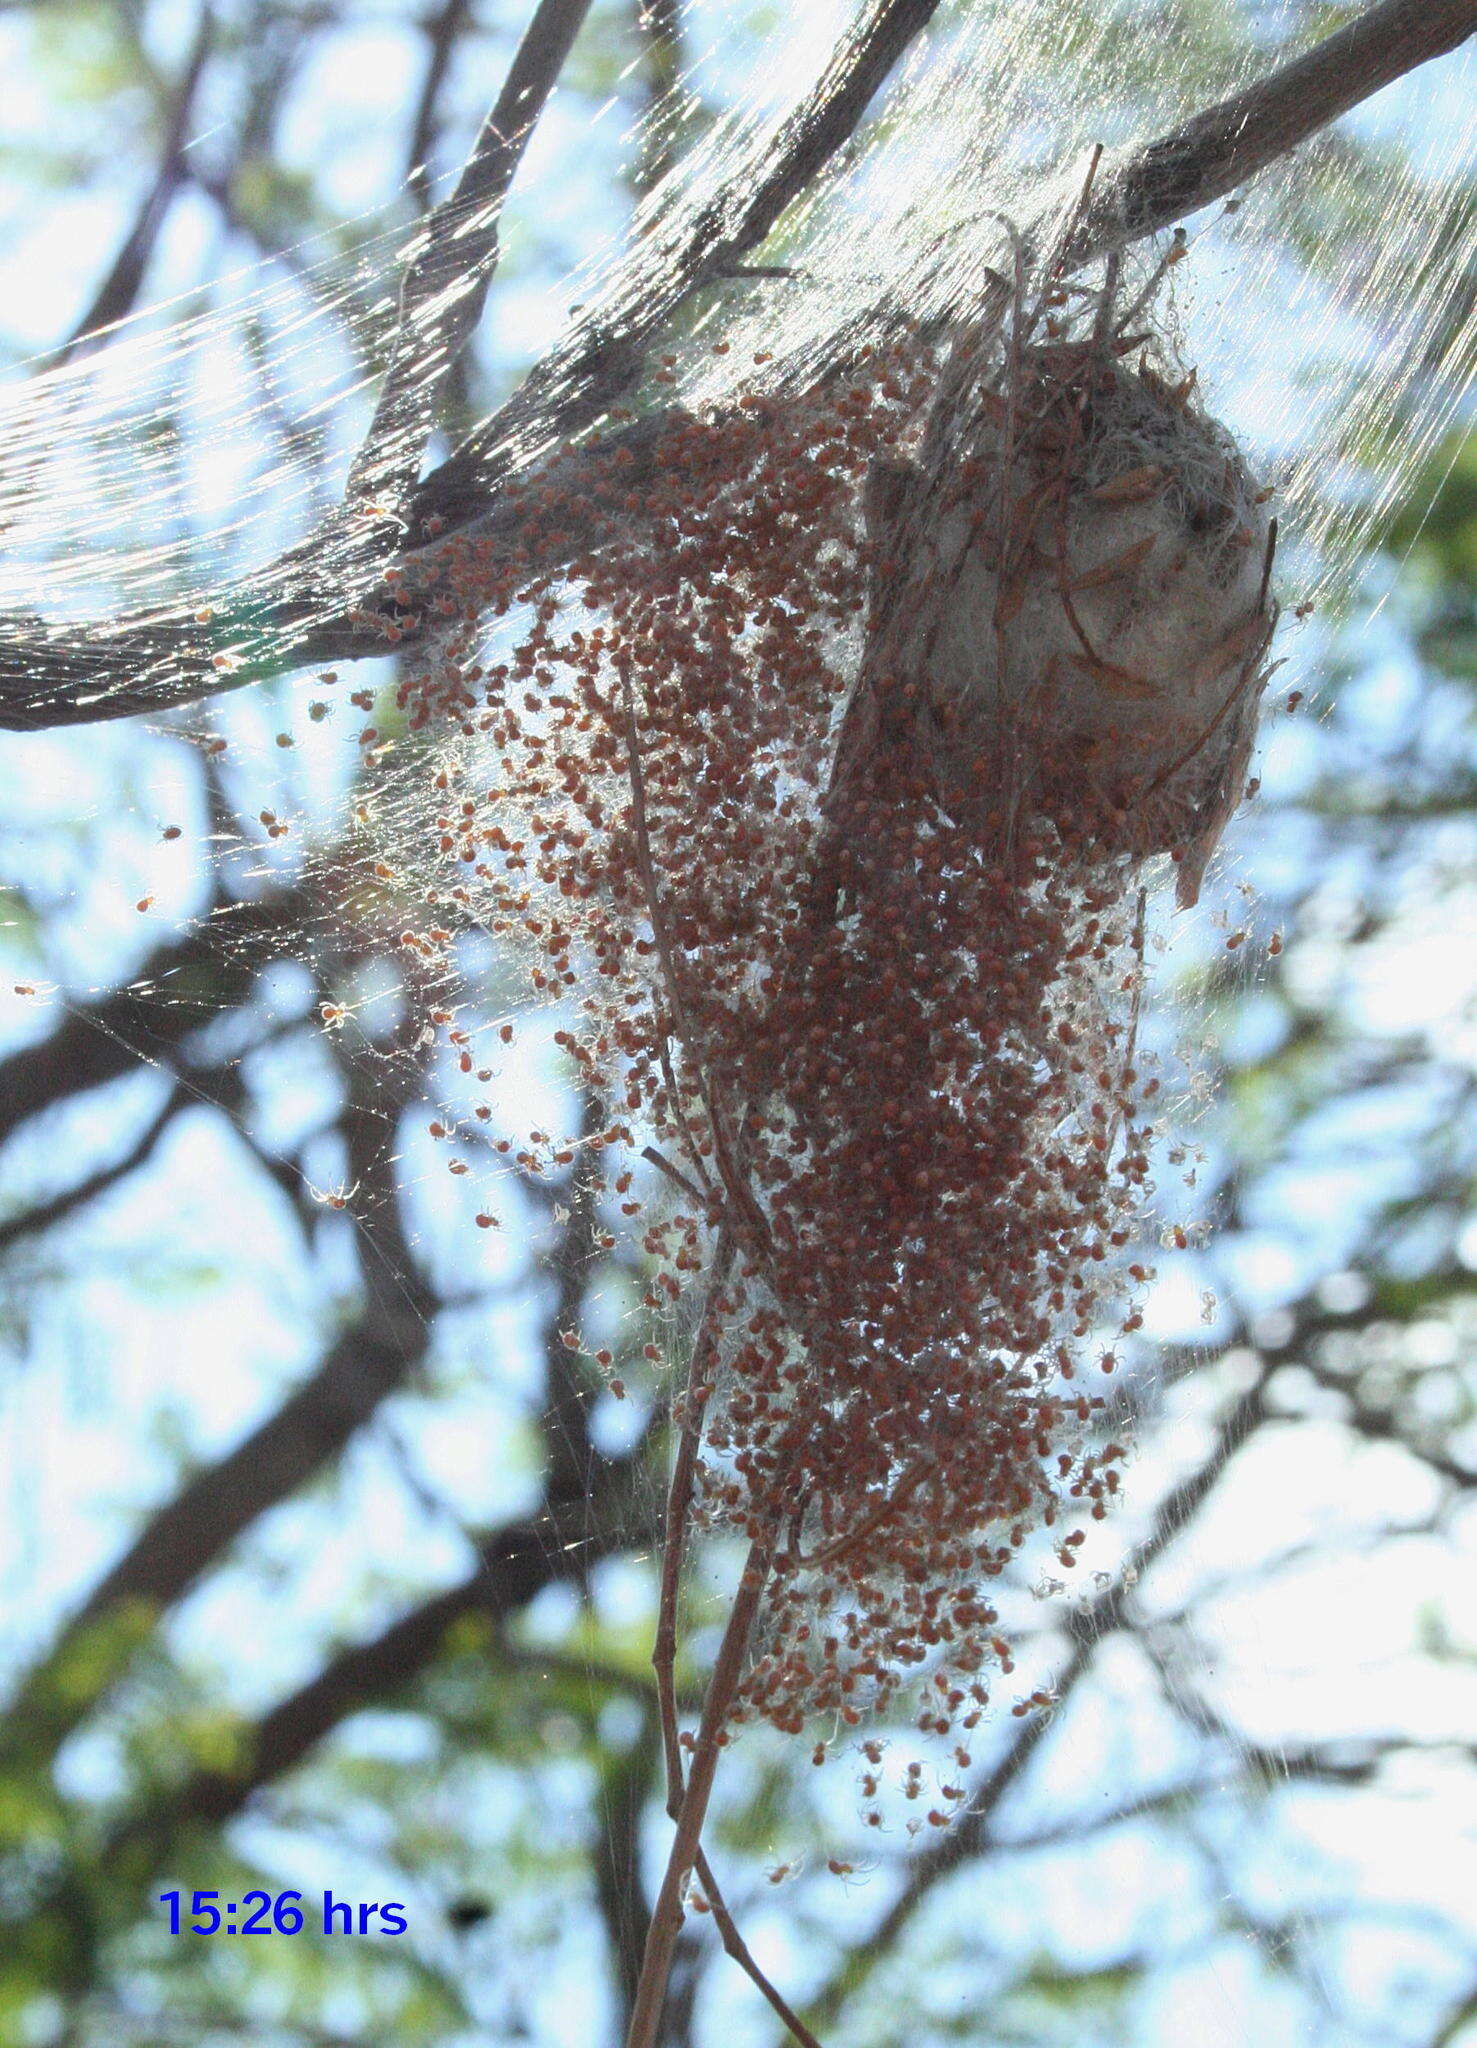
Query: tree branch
pixel 369 1361
pixel 45 1215
pixel 119 291
pixel 515 1564
pixel 179 1543
pixel 182 986
pixel 443 30
pixel 445 288
pixel 600 363
pixel 1231 143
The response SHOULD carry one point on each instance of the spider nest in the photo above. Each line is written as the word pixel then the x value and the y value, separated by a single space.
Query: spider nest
pixel 1071 602
pixel 910 1144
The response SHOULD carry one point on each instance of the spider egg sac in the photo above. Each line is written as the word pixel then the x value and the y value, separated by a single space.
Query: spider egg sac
pixel 1071 611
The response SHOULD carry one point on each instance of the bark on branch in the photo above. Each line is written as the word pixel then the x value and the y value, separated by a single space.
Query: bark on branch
pixel 1232 142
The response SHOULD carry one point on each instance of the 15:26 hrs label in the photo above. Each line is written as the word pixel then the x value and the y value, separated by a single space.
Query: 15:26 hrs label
pixel 280 1913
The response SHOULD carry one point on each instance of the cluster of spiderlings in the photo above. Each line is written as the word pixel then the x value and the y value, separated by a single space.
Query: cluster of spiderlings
pixel 941 1152
pixel 895 1077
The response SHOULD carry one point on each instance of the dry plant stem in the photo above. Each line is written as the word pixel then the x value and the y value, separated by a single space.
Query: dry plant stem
pixel 735 1946
pixel 679 1501
pixel 664 1649
pixel 667 1916
pixel 1056 269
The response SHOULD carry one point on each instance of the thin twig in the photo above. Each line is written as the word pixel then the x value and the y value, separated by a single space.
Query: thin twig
pixel 830 1553
pixel 654 1158
pixel 679 1501
pixel 679 1112
pixel 442 32
pixel 667 1915
pixel 118 293
pixel 735 1945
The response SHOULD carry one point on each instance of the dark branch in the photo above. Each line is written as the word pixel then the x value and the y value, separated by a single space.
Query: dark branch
pixel 443 30
pixel 182 987
pixel 371 1359
pixel 179 1543
pixel 46 1215
pixel 445 288
pixel 601 364
pixel 1231 143
pixel 515 1565
pixel 118 293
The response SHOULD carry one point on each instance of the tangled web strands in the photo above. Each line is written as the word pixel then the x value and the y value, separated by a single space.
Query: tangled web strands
pixel 811 731
pixel 1351 263
pixel 880 1026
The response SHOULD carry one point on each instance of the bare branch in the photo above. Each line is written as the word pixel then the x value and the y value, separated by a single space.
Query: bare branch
pixel 734 1945
pixel 1231 143
pixel 445 288
pixel 599 364
pixel 190 1533
pixel 118 293
pixel 668 1912
pixel 165 659
pixel 515 1564
pixel 46 1215
pixel 181 987
pixel 443 31
pixel 368 1362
